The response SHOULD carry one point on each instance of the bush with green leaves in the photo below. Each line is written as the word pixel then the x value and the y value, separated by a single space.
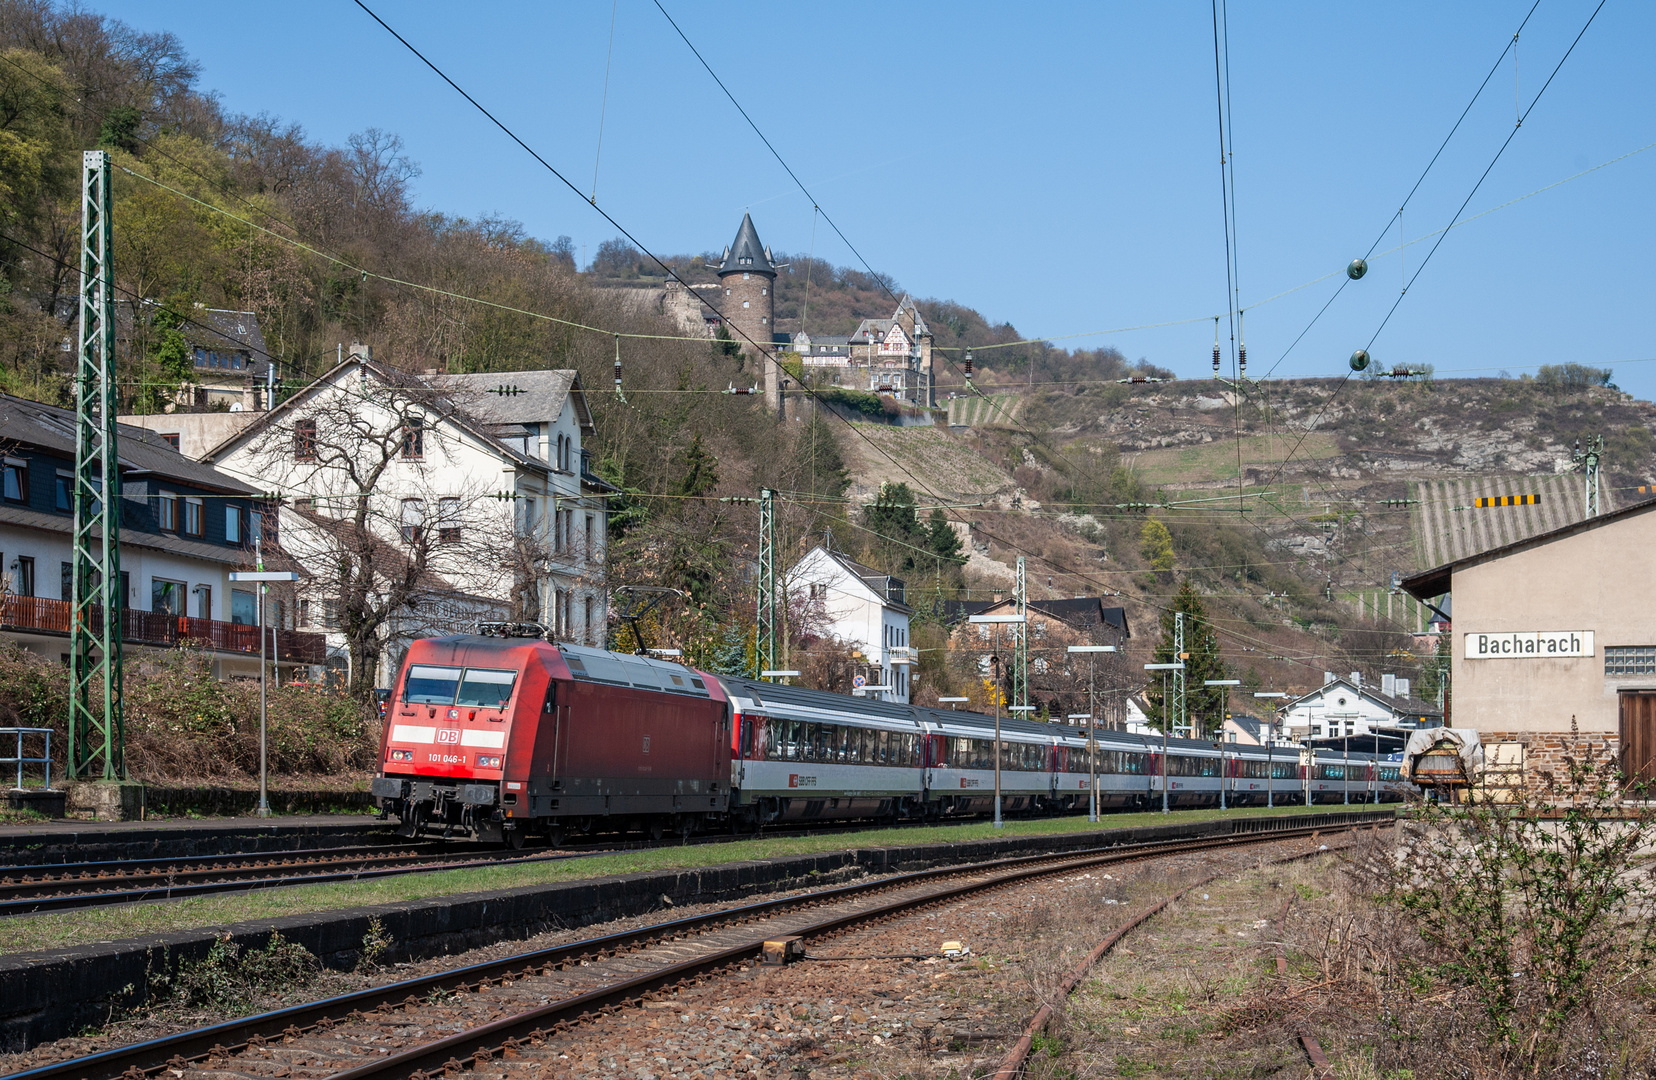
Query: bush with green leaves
pixel 1538 908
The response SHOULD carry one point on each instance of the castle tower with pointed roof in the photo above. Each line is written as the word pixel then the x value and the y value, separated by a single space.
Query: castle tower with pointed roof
pixel 747 276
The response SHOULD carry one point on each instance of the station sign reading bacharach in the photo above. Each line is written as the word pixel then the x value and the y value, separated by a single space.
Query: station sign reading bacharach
pixel 1522 645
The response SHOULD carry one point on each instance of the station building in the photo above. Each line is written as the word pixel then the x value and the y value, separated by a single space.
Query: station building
pixel 1553 630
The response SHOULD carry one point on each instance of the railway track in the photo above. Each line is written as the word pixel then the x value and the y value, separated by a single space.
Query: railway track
pixel 31 889
pixel 451 1019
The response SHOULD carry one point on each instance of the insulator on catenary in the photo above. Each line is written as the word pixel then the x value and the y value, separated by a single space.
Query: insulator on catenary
pixel 1357 269
pixel 1359 360
pixel 968 363
pixel 1242 357
pixel 1216 360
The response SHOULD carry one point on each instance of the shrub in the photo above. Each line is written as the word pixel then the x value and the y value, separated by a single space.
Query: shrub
pixel 232 981
pixel 183 724
pixel 1535 907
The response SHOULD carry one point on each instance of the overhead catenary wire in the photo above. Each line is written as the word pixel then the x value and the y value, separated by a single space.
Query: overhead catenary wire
pixel 603 106
pixel 1442 234
pixel 1416 186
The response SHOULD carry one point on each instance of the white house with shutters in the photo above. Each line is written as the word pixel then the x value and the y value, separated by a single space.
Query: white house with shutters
pixel 482 477
pixel 864 608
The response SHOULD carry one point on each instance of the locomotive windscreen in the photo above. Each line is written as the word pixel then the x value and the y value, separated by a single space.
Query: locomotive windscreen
pixel 486 688
pixel 483 688
pixel 430 685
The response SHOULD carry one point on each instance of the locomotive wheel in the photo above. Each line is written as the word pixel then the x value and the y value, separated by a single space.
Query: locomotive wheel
pixel 514 839
pixel 658 828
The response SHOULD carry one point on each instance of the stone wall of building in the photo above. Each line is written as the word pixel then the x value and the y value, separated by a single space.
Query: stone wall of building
pixel 756 319
pixel 1545 754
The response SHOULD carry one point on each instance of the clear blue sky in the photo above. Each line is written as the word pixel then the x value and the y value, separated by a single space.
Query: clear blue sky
pixel 1053 165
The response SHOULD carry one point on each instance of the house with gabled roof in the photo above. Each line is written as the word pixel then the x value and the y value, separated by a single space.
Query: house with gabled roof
pixel 471 492
pixel 1345 707
pixel 184 528
pixel 884 356
pixel 864 608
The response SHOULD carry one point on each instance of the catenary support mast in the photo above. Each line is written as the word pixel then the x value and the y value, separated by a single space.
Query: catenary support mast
pixel 96 736
pixel 764 649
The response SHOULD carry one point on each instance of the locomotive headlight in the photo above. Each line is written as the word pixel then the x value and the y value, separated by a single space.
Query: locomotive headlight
pixel 486 761
pixel 402 755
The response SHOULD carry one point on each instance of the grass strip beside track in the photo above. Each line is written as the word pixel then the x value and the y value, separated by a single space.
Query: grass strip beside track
pixel 70 928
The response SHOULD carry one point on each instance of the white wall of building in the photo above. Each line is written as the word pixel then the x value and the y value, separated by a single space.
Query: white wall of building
pixel 860 617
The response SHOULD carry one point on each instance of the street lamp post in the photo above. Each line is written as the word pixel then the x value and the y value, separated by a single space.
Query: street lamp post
pixel 998 621
pixel 1164 669
pixel 1092 711
pixel 1270 754
pixel 263 577
pixel 1224 698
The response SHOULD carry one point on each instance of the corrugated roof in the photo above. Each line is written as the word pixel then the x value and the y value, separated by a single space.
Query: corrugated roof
pixel 1436 581
pixel 1448 525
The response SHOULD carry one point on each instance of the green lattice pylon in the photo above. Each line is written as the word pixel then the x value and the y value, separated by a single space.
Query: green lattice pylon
pixel 96 737
pixel 764 648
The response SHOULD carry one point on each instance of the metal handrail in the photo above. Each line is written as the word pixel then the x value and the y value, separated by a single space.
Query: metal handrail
pixel 21 761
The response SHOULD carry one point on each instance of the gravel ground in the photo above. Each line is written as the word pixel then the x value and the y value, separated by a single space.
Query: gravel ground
pixel 877 1001
pixel 872 1014
pixel 170 1017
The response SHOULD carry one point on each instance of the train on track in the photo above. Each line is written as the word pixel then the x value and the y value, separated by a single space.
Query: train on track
pixel 502 737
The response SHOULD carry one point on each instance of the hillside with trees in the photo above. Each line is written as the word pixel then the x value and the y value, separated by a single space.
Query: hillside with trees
pixel 328 244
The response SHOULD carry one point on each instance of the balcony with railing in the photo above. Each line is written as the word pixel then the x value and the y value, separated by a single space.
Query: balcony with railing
pixel 39 615
pixel 902 654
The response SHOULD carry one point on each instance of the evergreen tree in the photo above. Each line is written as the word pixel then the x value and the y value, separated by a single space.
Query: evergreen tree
pixel 943 541
pixel 1202 661
pixel 698 472
pixel 896 523
pixel 733 653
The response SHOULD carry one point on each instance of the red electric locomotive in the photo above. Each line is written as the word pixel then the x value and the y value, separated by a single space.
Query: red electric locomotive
pixel 503 737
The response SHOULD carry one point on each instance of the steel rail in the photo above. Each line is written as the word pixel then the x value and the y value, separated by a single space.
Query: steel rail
pixel 1012 1066
pixel 176 1050
pixel 65 892
pixel 58 899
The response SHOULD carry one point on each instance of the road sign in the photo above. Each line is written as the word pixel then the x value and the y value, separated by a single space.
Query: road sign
pixel 859 681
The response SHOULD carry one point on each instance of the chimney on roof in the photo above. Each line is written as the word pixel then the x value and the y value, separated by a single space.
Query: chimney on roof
pixel 1357 679
pixel 1402 688
pixel 1388 685
pixel 1328 677
pixel 359 351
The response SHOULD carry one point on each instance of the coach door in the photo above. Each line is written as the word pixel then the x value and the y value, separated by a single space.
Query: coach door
pixel 1638 737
